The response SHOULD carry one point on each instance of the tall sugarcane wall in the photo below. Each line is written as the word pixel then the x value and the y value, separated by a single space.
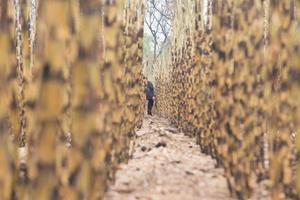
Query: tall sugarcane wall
pixel 233 83
pixel 71 90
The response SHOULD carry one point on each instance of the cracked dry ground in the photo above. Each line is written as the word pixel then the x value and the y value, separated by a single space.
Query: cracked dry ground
pixel 167 165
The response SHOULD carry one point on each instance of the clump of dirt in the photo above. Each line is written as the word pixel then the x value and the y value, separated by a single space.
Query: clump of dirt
pixel 161 144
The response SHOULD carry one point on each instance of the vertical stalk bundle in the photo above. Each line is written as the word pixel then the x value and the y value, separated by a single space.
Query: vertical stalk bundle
pixel 6 56
pixel 232 83
pixel 77 78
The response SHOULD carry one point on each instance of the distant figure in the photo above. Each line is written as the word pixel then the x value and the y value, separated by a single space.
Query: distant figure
pixel 150 96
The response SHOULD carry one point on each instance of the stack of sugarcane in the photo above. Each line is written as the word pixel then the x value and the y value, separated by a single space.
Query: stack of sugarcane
pixel 69 95
pixel 239 95
pixel 133 59
pixel 162 80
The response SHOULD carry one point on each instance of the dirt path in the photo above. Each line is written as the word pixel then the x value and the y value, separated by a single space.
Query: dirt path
pixel 167 165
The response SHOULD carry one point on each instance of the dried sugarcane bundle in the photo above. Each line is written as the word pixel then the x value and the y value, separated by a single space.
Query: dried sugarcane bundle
pixel 86 164
pixel 70 77
pixel 113 83
pixel 52 34
pixel 238 93
pixel 241 117
pixel 133 54
pixel 64 146
pixel 282 66
pixel 21 41
pixel 7 154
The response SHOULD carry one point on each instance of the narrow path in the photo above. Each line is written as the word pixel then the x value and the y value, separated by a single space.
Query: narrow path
pixel 167 165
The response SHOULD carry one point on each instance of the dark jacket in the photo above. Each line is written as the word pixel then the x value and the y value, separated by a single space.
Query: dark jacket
pixel 149 90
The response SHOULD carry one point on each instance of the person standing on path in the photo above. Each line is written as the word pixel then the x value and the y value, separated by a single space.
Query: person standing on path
pixel 149 96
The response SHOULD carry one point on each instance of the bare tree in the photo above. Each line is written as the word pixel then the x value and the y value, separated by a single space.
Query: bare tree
pixel 159 14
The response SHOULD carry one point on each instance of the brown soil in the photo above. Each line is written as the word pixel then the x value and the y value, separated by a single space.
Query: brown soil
pixel 167 165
